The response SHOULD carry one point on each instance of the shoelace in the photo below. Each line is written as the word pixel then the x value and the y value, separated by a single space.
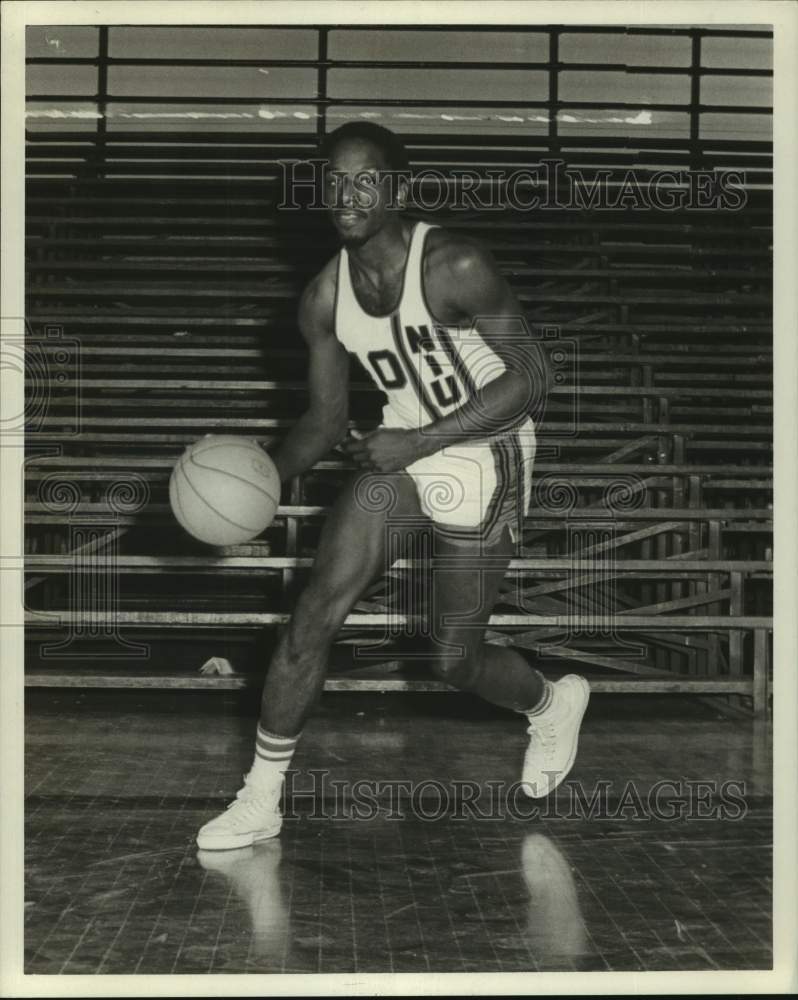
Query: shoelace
pixel 546 734
pixel 245 792
pixel 248 799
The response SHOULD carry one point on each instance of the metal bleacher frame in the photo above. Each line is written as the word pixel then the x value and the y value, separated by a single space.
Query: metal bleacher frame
pixel 124 247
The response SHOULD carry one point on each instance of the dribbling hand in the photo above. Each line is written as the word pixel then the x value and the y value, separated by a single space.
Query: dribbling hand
pixel 384 450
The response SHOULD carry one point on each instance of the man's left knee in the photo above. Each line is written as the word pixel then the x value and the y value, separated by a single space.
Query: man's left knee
pixel 459 668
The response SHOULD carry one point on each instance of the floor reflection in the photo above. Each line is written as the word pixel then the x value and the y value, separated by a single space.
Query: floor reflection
pixel 555 927
pixel 548 913
pixel 253 875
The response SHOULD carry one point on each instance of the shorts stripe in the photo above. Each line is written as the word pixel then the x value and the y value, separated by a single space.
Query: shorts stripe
pixel 514 510
pixel 496 504
pixel 497 501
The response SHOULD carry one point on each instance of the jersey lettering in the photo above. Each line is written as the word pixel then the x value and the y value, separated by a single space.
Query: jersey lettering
pixel 408 354
pixel 440 394
pixel 395 379
pixel 445 389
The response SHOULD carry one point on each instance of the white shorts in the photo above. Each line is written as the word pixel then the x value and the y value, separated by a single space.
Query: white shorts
pixel 471 491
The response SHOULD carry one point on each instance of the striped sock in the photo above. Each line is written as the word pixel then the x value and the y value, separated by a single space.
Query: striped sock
pixel 272 756
pixel 545 698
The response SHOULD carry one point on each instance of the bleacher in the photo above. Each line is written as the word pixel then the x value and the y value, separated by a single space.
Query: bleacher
pixel 162 286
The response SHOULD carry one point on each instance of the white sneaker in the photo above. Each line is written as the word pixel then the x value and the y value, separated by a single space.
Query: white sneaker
pixel 253 816
pixel 553 737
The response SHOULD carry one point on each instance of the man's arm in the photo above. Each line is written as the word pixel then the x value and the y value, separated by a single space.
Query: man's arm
pixel 469 286
pixel 323 425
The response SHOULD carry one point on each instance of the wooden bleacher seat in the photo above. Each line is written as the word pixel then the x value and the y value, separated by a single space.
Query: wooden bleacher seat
pixel 182 305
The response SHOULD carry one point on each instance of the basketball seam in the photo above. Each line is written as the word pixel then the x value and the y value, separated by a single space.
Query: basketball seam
pixel 244 527
pixel 179 469
pixel 232 475
pixel 237 442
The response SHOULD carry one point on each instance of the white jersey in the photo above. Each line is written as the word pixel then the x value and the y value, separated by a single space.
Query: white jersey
pixel 427 371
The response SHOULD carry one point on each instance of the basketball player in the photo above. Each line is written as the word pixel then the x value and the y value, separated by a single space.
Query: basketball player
pixel 442 334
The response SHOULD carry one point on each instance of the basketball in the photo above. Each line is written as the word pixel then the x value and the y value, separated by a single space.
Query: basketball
pixel 224 489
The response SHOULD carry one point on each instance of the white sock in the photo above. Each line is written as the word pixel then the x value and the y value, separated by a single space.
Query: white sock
pixel 545 698
pixel 272 756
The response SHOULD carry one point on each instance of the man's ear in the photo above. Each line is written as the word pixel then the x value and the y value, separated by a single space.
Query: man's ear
pixel 402 191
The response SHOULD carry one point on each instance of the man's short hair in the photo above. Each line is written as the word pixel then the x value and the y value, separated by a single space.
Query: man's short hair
pixel 388 142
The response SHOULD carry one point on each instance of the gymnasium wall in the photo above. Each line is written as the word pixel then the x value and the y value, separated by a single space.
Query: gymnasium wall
pixel 644 82
pixel 156 248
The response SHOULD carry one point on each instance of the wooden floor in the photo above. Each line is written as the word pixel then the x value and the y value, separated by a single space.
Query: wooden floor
pixel 425 877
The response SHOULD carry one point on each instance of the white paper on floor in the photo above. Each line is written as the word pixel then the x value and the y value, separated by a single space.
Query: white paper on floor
pixel 217 665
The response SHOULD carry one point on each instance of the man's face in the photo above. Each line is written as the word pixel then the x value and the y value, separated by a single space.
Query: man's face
pixel 359 191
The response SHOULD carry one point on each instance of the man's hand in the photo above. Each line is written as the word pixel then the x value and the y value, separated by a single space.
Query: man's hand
pixel 387 449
